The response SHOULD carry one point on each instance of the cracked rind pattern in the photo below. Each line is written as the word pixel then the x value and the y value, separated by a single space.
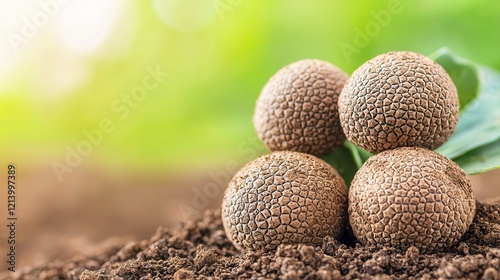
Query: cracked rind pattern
pixel 410 197
pixel 297 109
pixel 399 99
pixel 284 198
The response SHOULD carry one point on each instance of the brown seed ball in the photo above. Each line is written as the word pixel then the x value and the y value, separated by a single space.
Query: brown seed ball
pixel 410 197
pixel 399 99
pixel 297 110
pixel 284 198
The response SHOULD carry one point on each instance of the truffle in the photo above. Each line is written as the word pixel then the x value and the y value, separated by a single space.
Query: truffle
pixel 410 197
pixel 284 198
pixel 399 99
pixel 297 110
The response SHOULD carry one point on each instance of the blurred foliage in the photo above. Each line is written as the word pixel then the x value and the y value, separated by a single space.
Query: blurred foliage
pixel 218 57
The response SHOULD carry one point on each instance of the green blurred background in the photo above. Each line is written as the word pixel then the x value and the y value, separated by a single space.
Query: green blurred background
pixel 218 55
pixel 68 66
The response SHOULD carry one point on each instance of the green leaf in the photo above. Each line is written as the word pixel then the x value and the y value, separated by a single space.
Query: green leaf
pixel 358 154
pixel 482 159
pixel 478 129
pixel 462 72
pixel 479 122
pixel 347 160
pixel 342 160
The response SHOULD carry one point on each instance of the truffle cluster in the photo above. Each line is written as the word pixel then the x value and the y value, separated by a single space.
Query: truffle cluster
pixel 399 106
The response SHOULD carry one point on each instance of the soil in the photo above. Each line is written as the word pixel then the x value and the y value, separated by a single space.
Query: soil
pixel 199 249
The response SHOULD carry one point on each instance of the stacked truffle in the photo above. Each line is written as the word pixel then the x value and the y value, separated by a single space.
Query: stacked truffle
pixel 398 106
pixel 291 196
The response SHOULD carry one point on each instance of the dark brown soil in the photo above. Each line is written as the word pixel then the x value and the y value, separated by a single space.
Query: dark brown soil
pixel 199 249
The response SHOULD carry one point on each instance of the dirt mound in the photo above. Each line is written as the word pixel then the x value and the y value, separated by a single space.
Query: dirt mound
pixel 200 249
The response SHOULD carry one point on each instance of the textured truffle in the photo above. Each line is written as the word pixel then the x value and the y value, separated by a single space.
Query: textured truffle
pixel 298 108
pixel 410 197
pixel 399 99
pixel 284 198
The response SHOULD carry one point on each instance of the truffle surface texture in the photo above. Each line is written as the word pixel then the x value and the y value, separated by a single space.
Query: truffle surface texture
pixel 410 197
pixel 297 109
pixel 284 198
pixel 399 99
